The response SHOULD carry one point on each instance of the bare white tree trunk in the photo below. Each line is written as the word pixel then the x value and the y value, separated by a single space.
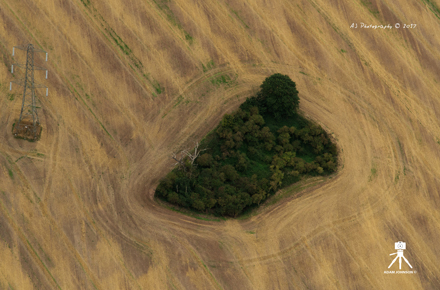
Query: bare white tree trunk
pixel 185 153
pixel 196 153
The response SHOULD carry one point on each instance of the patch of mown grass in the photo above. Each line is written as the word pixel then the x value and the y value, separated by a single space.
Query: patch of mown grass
pixel 307 155
pixel 370 8
pixel 222 79
pixel 209 65
pixel 113 35
pixel 335 28
pixel 179 100
pixel 188 37
pixel 433 7
pixel 84 102
pixel 157 87
pixel 189 101
pixel 155 84
pixel 161 4
pixel 44 265
pixel 401 148
pixel 238 16
pixel 373 173
pixel 207 219
pixel 296 121
pixel 122 45
pixel 20 157
pixel 85 2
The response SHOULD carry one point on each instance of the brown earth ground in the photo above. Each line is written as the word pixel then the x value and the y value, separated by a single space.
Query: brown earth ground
pixel 131 81
pixel 26 130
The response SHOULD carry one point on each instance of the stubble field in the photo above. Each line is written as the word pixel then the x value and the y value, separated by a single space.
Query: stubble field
pixel 132 81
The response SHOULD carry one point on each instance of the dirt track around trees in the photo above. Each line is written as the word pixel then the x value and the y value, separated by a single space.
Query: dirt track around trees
pixel 127 87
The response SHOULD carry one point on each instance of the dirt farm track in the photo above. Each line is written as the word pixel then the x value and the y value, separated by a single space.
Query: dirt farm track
pixel 131 81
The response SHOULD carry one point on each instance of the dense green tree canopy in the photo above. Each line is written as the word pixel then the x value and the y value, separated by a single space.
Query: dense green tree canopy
pixel 261 147
pixel 279 95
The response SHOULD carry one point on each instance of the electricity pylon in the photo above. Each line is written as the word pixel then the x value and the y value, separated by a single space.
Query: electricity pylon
pixel 27 82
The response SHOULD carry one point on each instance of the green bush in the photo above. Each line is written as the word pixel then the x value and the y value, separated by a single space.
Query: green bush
pixel 204 160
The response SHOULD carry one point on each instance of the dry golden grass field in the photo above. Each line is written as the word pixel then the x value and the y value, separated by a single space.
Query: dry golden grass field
pixel 132 81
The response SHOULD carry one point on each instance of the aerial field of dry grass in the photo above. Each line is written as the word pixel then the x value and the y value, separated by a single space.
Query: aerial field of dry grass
pixel 132 81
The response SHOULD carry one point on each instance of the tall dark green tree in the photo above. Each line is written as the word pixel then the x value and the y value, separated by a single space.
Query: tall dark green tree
pixel 279 96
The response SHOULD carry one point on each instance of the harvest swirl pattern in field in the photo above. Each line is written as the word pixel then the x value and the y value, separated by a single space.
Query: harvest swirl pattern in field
pixel 131 81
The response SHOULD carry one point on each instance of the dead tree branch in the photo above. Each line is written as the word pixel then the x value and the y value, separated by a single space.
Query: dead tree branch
pixel 179 160
pixel 196 153
pixel 185 153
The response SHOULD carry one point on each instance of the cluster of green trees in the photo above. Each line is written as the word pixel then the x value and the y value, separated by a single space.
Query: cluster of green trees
pixel 261 147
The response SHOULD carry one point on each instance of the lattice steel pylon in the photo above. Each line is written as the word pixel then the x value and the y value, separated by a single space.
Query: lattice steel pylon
pixel 28 107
